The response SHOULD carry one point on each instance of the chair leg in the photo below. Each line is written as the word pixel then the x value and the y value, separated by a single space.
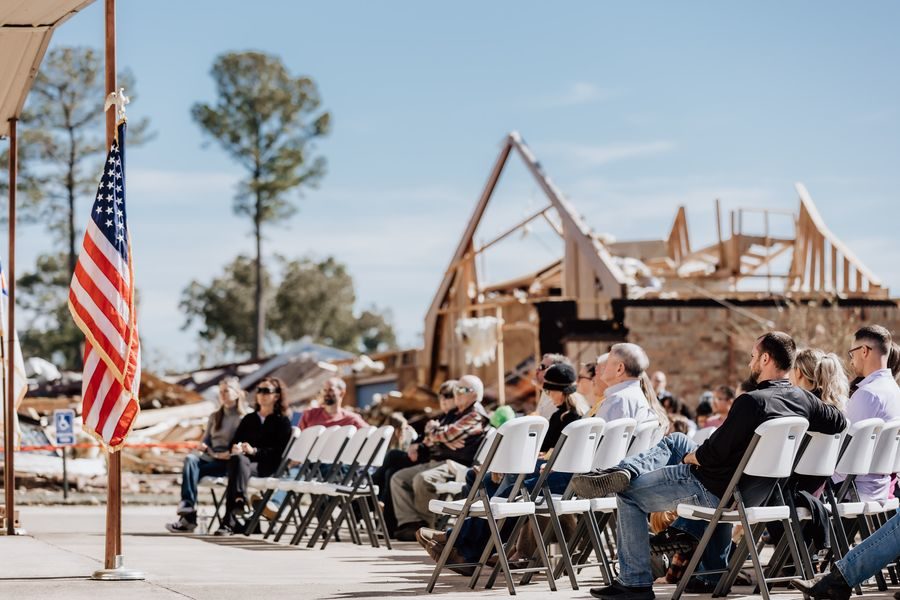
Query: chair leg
pixel 327 511
pixel 367 521
pixel 542 550
pixel 380 514
pixel 800 567
pixel 330 533
pixel 695 559
pixel 751 548
pixel 274 522
pixel 293 505
pixel 595 534
pixel 217 504
pixel 498 544
pixel 445 554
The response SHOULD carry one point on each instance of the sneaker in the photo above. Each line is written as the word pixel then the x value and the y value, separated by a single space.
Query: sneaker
pixel 831 586
pixel 620 591
pixel 182 525
pixel 602 483
pixel 185 508
pixel 224 530
pixel 424 535
pixel 671 540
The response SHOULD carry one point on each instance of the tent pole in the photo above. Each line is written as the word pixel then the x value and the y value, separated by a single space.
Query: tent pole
pixel 9 439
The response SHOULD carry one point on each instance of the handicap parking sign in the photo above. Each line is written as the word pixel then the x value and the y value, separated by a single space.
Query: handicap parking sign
pixel 64 419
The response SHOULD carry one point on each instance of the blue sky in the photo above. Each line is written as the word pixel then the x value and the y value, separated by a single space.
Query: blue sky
pixel 632 108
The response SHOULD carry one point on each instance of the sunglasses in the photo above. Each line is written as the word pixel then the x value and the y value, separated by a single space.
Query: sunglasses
pixel 463 390
pixel 447 395
pixel 267 390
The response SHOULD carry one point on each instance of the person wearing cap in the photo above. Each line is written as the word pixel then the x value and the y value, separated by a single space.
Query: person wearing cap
pixel 212 461
pixel 445 454
pixel 559 384
pixel 397 459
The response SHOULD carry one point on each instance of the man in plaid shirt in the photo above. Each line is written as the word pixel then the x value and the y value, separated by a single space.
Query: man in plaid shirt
pixel 445 454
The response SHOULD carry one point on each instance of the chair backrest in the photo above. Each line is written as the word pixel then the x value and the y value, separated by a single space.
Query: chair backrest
pixel 335 444
pixel 643 437
pixel 485 446
pixel 821 454
pixel 303 445
pixel 576 454
pixel 614 444
pixel 885 455
pixel 520 442
pixel 857 456
pixel 322 443
pixel 779 441
pixel 372 453
pixel 357 441
pixel 701 435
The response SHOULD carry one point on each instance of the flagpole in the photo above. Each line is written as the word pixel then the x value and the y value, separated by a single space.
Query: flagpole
pixel 9 440
pixel 113 570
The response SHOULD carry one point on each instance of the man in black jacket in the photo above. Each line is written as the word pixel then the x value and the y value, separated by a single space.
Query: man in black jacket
pixel 677 471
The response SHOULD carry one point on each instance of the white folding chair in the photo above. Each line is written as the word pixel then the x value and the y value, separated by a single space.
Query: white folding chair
pixel 309 466
pixel 855 460
pixel 613 447
pixel 770 455
pixel 514 450
pixel 360 488
pixel 573 454
pixel 643 439
pixel 343 464
pixel 818 457
pixel 297 453
pixel 325 454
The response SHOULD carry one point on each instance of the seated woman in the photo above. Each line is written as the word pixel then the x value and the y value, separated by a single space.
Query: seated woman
pixel 213 459
pixel 559 383
pixel 256 449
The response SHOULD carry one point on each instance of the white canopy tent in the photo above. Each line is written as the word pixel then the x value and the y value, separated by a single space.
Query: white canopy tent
pixel 25 30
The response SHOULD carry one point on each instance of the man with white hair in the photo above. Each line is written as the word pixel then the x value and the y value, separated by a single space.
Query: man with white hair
pixel 449 452
pixel 623 397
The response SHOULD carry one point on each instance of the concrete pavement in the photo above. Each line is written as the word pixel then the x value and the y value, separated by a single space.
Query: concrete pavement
pixel 65 545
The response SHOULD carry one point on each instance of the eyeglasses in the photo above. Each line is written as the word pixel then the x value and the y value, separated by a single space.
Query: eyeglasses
pixel 852 350
pixel 463 390
pixel 266 390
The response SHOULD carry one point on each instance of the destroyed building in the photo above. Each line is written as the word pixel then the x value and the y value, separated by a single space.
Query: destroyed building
pixel 695 310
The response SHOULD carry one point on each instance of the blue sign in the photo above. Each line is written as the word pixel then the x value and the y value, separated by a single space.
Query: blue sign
pixel 64 419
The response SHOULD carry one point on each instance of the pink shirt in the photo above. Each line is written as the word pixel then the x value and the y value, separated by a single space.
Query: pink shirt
pixel 319 416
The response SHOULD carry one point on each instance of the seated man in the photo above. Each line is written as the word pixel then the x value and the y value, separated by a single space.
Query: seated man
pixel 331 412
pixel 445 454
pixel 677 471
pixel 876 396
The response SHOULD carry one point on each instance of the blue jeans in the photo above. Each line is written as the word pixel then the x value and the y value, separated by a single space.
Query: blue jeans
pixel 278 496
pixel 194 470
pixel 659 482
pixel 872 554
pixel 474 533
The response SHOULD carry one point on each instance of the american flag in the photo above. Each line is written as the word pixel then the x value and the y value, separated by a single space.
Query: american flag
pixel 101 300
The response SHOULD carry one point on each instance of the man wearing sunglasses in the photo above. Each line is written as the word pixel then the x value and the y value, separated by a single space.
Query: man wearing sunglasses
pixel 445 454
pixel 876 396
pixel 331 411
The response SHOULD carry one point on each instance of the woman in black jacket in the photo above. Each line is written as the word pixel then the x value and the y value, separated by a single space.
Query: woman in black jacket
pixel 256 449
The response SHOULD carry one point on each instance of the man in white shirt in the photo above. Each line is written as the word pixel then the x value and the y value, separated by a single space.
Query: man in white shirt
pixel 877 395
pixel 623 398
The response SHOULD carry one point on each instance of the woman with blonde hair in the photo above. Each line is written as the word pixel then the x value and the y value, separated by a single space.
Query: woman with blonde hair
pixel 214 452
pixel 823 375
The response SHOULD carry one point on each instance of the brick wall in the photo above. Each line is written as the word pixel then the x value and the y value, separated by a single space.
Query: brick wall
pixel 700 345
